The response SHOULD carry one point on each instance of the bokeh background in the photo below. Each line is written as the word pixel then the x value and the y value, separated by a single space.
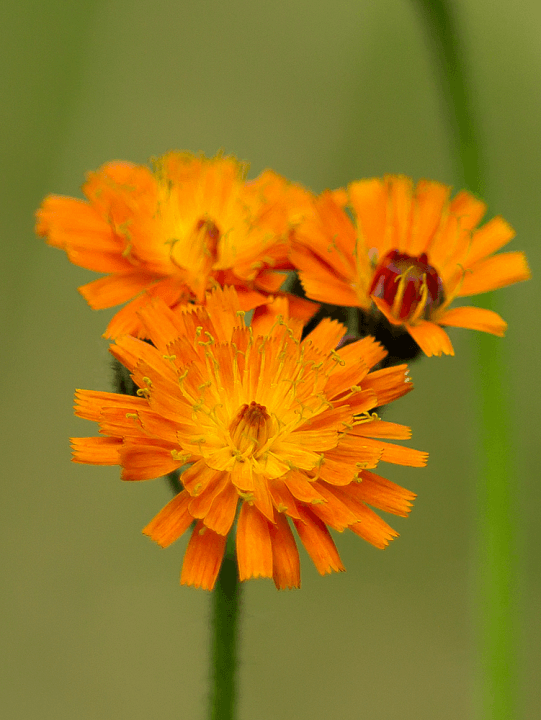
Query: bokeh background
pixel 95 624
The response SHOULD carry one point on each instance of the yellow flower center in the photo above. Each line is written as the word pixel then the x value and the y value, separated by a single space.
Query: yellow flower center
pixel 250 429
pixel 195 253
pixel 208 234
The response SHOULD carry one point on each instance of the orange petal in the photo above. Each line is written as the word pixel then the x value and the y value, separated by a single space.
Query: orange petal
pixel 487 240
pixel 221 515
pixel 200 504
pixel 369 526
pixel 331 419
pixel 356 401
pixel 494 272
pixel 400 193
pixel 364 400
pixel 161 321
pixel 356 359
pixel 431 338
pixel 385 429
pixel 326 335
pixel 476 319
pixel 318 543
pixel 340 466
pixel 132 352
pixel 368 199
pixel 323 285
pixel 115 289
pixel 126 321
pixel 171 522
pixel 385 309
pixel 388 383
pixel 138 357
pixel 90 403
pixel 318 439
pixel 429 203
pixel 242 476
pixel 373 529
pixel 223 305
pixel 98 260
pixel 96 450
pixel 198 477
pixel 382 494
pixel 115 179
pixel 343 378
pixel 330 235
pixel 283 500
pixel 59 215
pixel 254 547
pixel 250 299
pixel 449 248
pixel 336 471
pixel 301 488
pixel 333 512
pixel 367 350
pixel 146 462
pixel 74 226
pixel 391 453
pixel 286 571
pixel 117 422
pixel 266 316
pixel 468 209
pixel 203 558
pixel 301 309
pixel 262 496
pixel 270 281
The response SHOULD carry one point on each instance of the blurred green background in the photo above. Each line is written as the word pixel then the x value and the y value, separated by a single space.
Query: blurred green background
pixel 95 624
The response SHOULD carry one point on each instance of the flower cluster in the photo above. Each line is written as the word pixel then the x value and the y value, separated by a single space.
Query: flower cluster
pixel 272 427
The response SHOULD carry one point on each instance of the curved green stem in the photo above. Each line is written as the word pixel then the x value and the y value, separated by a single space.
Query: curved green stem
pixel 496 527
pixel 443 32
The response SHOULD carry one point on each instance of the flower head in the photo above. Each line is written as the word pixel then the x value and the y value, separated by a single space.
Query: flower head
pixel 280 426
pixel 192 224
pixel 408 254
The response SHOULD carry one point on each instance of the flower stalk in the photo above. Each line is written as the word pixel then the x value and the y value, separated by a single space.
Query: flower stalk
pixel 224 638
pixel 496 558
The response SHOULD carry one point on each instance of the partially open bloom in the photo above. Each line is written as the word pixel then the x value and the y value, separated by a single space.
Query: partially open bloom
pixel 408 254
pixel 192 224
pixel 281 427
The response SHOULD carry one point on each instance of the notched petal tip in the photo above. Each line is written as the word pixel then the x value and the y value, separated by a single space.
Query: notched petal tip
pixel 431 338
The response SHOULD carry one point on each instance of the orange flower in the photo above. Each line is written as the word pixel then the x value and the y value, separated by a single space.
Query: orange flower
pixel 175 233
pixel 281 427
pixel 410 252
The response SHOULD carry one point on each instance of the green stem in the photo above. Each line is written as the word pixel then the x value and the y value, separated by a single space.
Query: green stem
pixel 496 556
pixel 353 321
pixel 225 601
pixel 224 641
pixel 444 36
pixel 173 480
